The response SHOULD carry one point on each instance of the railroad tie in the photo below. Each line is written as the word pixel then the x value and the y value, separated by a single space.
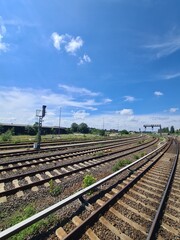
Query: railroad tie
pixel 15 182
pixel 29 181
pixel 77 221
pixel 4 198
pixel 60 233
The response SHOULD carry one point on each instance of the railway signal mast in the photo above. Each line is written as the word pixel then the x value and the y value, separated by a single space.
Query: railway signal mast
pixel 40 114
pixel 152 126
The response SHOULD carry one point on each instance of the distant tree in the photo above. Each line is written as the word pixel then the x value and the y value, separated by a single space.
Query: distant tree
pixel 172 129
pixel 102 132
pixel 35 127
pixel 74 127
pixel 83 128
pixel 1 129
pixel 124 131
pixel 164 130
pixel 29 130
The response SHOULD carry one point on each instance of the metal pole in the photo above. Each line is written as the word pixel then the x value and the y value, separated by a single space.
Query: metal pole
pixel 59 120
pixel 39 133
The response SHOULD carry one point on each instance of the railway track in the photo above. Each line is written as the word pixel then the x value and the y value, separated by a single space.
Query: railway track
pixel 15 177
pixel 124 203
pixel 56 147
pixel 128 210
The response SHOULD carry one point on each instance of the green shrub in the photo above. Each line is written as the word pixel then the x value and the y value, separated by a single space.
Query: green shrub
pixel 120 164
pixel 7 136
pixel 136 156
pixel 54 189
pixel 87 181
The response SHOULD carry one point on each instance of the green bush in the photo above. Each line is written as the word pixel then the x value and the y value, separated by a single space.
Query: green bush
pixel 120 164
pixel 87 181
pixel 7 136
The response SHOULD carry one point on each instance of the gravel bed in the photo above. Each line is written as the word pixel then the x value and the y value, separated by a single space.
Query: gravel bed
pixel 146 194
pixel 133 216
pixel 145 200
pixel 102 232
pixel 138 206
pixel 125 227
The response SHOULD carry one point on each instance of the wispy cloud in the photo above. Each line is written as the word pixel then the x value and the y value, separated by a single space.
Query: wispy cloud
pixel 129 99
pixel 171 76
pixel 80 114
pixel 82 91
pixel 165 46
pixel 173 110
pixel 157 93
pixel 3 46
pixel 84 59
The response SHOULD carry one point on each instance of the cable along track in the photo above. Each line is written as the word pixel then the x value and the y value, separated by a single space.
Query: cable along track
pixel 149 159
pixel 131 210
pixel 17 183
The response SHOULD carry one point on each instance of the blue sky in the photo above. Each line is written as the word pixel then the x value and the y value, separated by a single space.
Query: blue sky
pixel 111 63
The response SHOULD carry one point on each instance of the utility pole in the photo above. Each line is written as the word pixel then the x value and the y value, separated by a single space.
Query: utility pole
pixel 59 121
pixel 40 114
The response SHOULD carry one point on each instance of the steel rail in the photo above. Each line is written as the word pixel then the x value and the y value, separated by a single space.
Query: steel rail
pixel 46 212
pixel 24 152
pixel 72 152
pixel 40 182
pixel 156 222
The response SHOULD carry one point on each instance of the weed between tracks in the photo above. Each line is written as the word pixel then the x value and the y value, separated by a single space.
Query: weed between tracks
pixel 120 164
pixel 36 228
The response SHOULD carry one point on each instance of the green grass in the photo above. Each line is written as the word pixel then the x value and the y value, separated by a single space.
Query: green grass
pixel 140 155
pixel 28 211
pixel 120 164
pixel 54 189
pixel 50 137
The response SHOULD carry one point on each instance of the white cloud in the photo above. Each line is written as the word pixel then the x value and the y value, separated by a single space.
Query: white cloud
pixel 70 45
pixel 125 112
pixel 171 76
pixel 107 100
pixel 129 99
pixel 173 110
pixel 3 46
pixel 73 45
pixel 19 106
pixel 82 91
pixel 84 59
pixel 157 93
pixel 80 114
pixel 58 40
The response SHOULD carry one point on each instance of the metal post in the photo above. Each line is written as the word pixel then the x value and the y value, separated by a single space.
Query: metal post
pixel 59 121
pixel 39 133
pixel 43 112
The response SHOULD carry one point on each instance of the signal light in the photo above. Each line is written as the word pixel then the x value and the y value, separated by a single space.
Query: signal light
pixel 43 110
